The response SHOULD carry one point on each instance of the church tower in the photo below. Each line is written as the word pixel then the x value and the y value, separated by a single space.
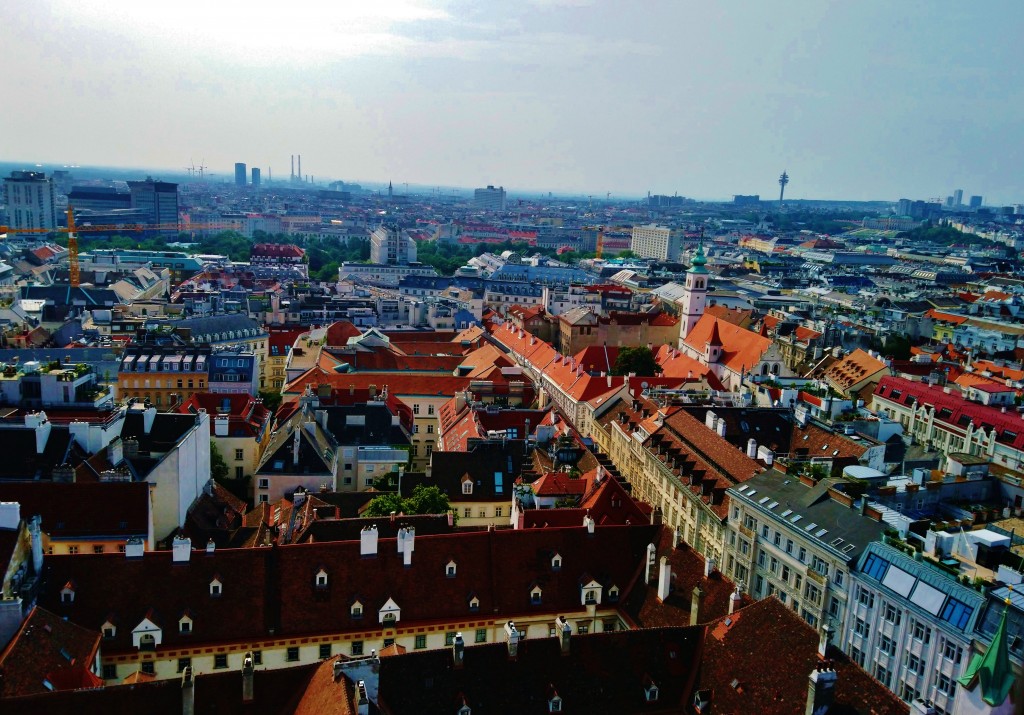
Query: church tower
pixel 695 293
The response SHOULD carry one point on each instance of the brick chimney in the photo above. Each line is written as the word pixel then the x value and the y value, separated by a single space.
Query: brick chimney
pixel 188 692
pixel 664 579
pixel 247 678
pixel 563 632
pixel 821 689
pixel 696 605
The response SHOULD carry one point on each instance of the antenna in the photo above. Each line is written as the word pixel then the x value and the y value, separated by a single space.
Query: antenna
pixel 783 180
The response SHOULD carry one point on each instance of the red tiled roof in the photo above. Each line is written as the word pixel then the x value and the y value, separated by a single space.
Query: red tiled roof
pixel 945 317
pixel 247 417
pixel 854 368
pixel 742 349
pixel 398 383
pixel 338 333
pixel 277 250
pixel 48 649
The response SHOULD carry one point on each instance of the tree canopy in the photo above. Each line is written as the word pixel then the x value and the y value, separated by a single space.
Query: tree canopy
pixel 423 500
pixel 637 360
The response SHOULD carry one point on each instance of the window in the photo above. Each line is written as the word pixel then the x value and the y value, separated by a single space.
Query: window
pixel 957 613
pixel 861 628
pixel 777 539
pixel 421 642
pixel 785 574
pixel 185 625
pixel 773 565
pixel 556 562
pixel 239 455
pixel 109 671
pixel 257 657
pixel 497 511
pixel 535 596
pixel 813 593
pixel 857 656
pixel 97 548
pixel 921 633
pixel 789 546
pixel 109 631
pixel 952 652
pixel 449 638
pixel 321 579
pixel 590 598
pixel 482 513
pixel 467 512
pixel 909 693
pixel 914 664
pixel 765 531
pixel 887 645
pixel 865 597
pixel 945 684
pixel 839 578
pixel 834 606
pixel 149 667
pixel 239 472
pixel 357 647
pixel 750 523
pixel 883 675
pixel 467 486
pixel 325 650
pixel 430 429
pixel 293 654
pixel 72 550
pixel 892 614
pixel 481 635
pixel 802 555
pixel 429 450
pixel 357 610
pixel 220 660
pixel 415 409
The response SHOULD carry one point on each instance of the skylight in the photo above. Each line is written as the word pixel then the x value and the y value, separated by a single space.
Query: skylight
pixel 786 513
pixel 811 527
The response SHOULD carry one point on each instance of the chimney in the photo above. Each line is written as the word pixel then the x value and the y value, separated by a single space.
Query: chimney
pixel 10 514
pixel 131 448
pixel 709 567
pixel 458 651
pixel 677 537
pixel 821 689
pixel 148 416
pixel 115 451
pixel 247 677
pixel 134 548
pixel 363 704
pixel 656 516
pixel 321 417
pixel 824 639
pixel 368 541
pixel 709 419
pixel 188 692
pixel 664 579
pixel 589 523
pixel 220 425
pixel 563 632
pixel 36 532
pixel 651 557
pixel 295 446
pixel 181 549
pixel 407 552
pixel 752 448
pixel 720 428
pixel 696 605
pixel 734 600
pixel 512 640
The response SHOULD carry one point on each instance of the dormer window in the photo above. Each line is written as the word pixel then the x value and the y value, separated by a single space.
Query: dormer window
pixel 67 594
pixel 216 587
pixel 613 593
pixel 109 630
pixel 555 704
pixel 357 610
pixel 389 614
pixel 650 689
pixel 556 562
pixel 467 486
pixel 185 625
pixel 449 569
pixel 590 597
pixel 535 595
pixel 474 604
pixel 321 579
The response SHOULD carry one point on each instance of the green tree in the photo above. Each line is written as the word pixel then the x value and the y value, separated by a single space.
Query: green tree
pixel 218 467
pixel 639 361
pixel 385 504
pixel 423 500
pixel 271 400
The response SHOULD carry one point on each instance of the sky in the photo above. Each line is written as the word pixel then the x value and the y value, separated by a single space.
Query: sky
pixel 856 100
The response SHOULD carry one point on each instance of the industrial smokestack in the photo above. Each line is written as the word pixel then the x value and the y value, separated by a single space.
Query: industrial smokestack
pixel 293 166
pixel 300 167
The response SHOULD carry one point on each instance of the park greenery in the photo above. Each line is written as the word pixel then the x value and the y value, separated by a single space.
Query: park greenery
pixel 941 234
pixel 423 500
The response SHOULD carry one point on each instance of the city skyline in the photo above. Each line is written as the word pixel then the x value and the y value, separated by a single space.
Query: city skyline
pixel 872 102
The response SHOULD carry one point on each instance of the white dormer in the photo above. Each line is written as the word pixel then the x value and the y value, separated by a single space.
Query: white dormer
pixel 467 485
pixel 147 635
pixel 613 593
pixel 555 703
pixel 650 690
pixel 556 562
pixel 389 614
pixel 449 569
pixel 357 610
pixel 321 579
pixel 590 592
pixel 185 624
pixel 67 594
pixel 216 587
pixel 474 603
pixel 535 594
pixel 108 629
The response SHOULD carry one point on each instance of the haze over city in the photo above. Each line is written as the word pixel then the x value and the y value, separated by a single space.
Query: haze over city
pixel 857 101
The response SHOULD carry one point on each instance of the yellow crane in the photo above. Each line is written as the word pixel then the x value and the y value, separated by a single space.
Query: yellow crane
pixel 600 237
pixel 73 230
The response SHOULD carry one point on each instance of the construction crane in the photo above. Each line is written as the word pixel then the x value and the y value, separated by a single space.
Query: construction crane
pixel 600 238
pixel 72 230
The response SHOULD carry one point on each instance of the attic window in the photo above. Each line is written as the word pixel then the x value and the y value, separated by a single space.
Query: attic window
pixel 357 610
pixel 651 693
pixel 467 486
pixel 474 604
pixel 590 597
pixel 555 705
pixel 216 588
pixel 535 595
pixel 67 594
pixel 321 579
pixel 613 593
pixel 449 569
pixel 109 630
pixel 185 625
pixel 556 562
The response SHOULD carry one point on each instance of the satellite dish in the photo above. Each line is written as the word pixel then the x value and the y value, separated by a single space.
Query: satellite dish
pixel 643 385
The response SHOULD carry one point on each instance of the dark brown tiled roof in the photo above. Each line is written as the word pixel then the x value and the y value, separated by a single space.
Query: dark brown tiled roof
pixel 48 649
pixel 113 509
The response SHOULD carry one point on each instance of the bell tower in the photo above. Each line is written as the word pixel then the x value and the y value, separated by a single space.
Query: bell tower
pixel 695 293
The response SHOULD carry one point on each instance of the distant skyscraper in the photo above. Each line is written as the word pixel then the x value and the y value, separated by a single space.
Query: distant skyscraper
pixel 30 200
pixel 159 199
pixel 255 178
pixel 491 199
pixel 975 202
pixel 958 197
pixel 389 245
pixel 239 174
pixel 658 242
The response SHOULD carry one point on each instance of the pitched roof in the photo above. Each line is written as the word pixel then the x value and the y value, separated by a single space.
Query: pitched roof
pixel 854 368
pixel 48 650
pixel 742 349
pixel 100 509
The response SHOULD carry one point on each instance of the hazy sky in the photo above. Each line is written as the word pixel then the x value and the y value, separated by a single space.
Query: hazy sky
pixel 859 100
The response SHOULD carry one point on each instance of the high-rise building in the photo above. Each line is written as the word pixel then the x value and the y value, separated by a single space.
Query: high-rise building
pixel 389 245
pixel 99 198
pixel 490 199
pixel 958 197
pixel 240 174
pixel 30 200
pixel 159 200
pixel 975 202
pixel 255 178
pixel 658 242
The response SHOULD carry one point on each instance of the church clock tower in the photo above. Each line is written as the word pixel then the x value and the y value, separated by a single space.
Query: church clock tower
pixel 695 293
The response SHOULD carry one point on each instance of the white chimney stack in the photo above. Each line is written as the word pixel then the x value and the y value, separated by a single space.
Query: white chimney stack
pixel 512 640
pixel 10 514
pixel 247 678
pixel 664 579
pixel 720 428
pixel 734 600
pixel 35 530
pixel 295 447
pixel 752 448
pixel 821 691
pixel 709 567
pixel 589 523
pixel 458 650
pixel 188 692
pixel 651 558
pixel 368 541
pixel 181 549
pixel 563 632
pixel 134 548
pixel 220 425
pixel 148 417
pixel 710 418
